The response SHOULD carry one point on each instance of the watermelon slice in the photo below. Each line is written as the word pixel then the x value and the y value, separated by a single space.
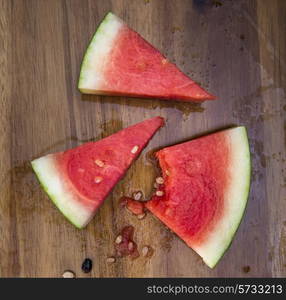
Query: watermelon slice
pixel 119 61
pixel 205 190
pixel 78 180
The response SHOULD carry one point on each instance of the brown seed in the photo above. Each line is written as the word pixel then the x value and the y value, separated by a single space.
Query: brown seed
pixel 145 250
pixel 130 246
pixel 118 239
pixel 164 61
pixel 141 216
pixel 98 179
pixel 134 149
pixel 159 180
pixel 99 163
pixel 159 193
pixel 110 260
pixel 167 172
pixel 246 269
pixel 168 212
pixel 68 274
pixel 137 196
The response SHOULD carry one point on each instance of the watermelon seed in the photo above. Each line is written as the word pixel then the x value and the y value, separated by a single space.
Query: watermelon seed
pixel 130 246
pixel 134 149
pixel 97 179
pixel 137 196
pixel 246 269
pixel 141 216
pixel 118 239
pixel 159 193
pixel 110 260
pixel 168 211
pixel 99 163
pixel 159 180
pixel 68 274
pixel 164 61
pixel 145 250
pixel 86 265
pixel 167 172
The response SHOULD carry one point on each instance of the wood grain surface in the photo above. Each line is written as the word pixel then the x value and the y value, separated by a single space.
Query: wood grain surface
pixel 235 49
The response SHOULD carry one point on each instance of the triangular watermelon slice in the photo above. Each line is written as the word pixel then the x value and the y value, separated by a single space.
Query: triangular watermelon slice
pixel 205 190
pixel 119 61
pixel 78 180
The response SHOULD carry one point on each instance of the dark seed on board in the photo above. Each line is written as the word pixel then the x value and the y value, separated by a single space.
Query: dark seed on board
pixel 86 265
pixel 246 269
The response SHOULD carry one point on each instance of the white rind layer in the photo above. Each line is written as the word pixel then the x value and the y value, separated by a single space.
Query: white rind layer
pixel 53 183
pixel 235 198
pixel 96 57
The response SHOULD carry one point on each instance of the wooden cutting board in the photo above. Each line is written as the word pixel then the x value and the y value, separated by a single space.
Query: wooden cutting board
pixel 235 49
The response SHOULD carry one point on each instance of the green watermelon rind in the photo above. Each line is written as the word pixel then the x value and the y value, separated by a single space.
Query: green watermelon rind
pixel 43 175
pixel 244 195
pixel 103 38
pixel 246 170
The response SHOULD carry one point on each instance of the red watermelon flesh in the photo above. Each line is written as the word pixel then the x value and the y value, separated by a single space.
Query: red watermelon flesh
pixel 78 180
pixel 205 190
pixel 119 61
